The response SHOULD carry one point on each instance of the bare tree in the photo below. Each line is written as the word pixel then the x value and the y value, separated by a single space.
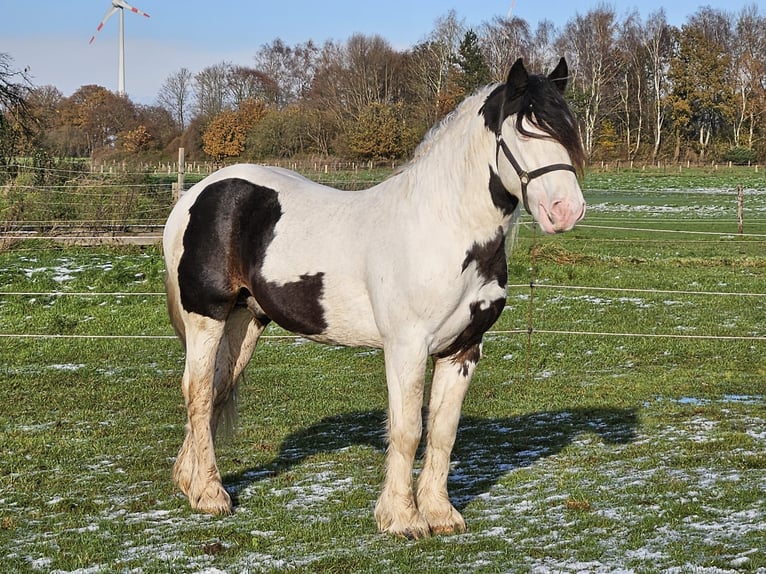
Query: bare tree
pixel 504 40
pixel 658 43
pixel 371 70
pixel 430 65
pixel 631 87
pixel 246 84
pixel 749 62
pixel 291 69
pixel 350 77
pixel 542 53
pixel 211 87
pixel 176 94
pixel 590 40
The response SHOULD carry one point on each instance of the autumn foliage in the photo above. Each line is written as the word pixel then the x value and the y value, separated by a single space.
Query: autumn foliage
pixel 641 89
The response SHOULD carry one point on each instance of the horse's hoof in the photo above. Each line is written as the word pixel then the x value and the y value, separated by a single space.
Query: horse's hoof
pixel 218 502
pixel 416 528
pixel 453 523
pixel 442 529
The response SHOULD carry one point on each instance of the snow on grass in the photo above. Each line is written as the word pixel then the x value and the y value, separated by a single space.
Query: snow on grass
pixel 548 511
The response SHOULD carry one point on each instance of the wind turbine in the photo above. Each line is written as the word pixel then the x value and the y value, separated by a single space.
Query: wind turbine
pixel 119 5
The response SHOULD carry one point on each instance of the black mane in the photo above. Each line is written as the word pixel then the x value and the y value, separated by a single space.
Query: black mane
pixel 542 103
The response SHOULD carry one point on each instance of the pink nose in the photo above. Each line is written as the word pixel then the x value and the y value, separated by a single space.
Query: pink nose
pixel 565 214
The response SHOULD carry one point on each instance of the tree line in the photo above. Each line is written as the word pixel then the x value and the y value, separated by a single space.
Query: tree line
pixel 641 88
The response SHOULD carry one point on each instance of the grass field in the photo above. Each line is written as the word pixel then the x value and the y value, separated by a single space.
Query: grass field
pixel 583 447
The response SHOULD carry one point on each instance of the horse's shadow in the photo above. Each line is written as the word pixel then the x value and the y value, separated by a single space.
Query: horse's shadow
pixel 485 449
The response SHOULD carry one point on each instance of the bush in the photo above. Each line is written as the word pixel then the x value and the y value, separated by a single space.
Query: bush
pixel 740 156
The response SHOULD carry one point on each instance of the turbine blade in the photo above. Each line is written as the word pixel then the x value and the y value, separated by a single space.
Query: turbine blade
pixel 108 15
pixel 131 8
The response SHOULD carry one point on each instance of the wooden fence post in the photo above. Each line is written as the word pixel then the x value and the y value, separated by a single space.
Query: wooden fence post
pixel 740 210
pixel 178 187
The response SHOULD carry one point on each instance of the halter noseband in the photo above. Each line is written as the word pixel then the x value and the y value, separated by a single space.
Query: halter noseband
pixel 526 176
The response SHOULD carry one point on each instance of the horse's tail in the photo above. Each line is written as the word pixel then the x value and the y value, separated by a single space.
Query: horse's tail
pixel 228 419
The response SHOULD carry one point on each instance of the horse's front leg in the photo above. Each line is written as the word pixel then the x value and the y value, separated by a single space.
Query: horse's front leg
pixel 452 375
pixel 396 511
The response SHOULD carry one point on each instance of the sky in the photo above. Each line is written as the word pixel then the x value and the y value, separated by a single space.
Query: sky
pixel 49 38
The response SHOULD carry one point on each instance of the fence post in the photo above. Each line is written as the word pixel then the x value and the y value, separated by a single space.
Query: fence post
pixel 178 187
pixel 740 210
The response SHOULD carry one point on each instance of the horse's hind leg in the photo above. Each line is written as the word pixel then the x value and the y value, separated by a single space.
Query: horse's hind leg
pixel 451 378
pixel 240 337
pixel 216 354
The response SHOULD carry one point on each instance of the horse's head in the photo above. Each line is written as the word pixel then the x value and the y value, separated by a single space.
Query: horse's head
pixel 538 153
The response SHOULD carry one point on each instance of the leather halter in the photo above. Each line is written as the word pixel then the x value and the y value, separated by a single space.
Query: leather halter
pixel 526 176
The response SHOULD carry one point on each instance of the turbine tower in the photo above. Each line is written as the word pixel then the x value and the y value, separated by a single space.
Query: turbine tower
pixel 119 6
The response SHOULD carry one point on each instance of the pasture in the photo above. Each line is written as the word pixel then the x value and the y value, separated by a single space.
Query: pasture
pixel 625 433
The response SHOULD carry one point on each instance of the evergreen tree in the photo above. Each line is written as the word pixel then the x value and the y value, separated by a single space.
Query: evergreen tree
pixel 473 71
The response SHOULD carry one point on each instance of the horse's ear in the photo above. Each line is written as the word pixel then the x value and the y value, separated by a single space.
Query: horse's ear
pixel 560 75
pixel 517 81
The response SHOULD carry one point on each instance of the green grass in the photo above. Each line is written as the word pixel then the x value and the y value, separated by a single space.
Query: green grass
pixel 575 452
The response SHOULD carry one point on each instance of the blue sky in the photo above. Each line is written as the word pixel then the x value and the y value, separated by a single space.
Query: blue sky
pixel 50 37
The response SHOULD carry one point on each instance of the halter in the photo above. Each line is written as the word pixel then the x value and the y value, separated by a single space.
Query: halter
pixel 527 176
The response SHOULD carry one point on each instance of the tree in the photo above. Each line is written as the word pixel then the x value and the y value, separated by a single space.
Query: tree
pixel 96 116
pixel 211 87
pixel 430 67
pixel 280 133
pixel 749 75
pixel 543 54
pixel 503 40
pixel 246 84
pixel 15 117
pixel 701 97
pixel 631 86
pixel 175 96
pixel 590 40
pixel 350 77
pixel 136 140
pixel 159 125
pixel 380 132
pixel 290 70
pixel 43 103
pixel 226 134
pixel 658 43
pixel 473 69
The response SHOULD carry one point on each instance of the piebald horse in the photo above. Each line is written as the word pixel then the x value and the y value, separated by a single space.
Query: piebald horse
pixel 415 265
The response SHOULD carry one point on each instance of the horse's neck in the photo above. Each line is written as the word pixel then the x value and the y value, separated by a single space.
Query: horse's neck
pixel 451 177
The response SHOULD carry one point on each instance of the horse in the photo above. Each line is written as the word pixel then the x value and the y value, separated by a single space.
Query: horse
pixel 415 265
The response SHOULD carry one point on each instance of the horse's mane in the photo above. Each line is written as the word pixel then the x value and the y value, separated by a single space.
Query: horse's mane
pixel 465 111
pixel 541 103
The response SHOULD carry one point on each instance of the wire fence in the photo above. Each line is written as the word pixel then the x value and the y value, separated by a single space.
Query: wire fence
pixel 140 208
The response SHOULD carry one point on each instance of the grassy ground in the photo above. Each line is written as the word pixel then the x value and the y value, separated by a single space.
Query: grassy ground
pixel 576 452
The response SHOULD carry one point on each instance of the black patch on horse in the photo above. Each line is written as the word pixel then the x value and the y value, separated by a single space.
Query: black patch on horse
pixel 231 226
pixel 491 265
pixel 490 259
pixel 505 201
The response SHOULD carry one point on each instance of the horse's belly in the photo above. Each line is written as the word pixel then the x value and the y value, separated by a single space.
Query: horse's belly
pixel 350 319
pixel 322 308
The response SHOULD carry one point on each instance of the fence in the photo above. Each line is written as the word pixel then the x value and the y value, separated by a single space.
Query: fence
pixel 151 202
